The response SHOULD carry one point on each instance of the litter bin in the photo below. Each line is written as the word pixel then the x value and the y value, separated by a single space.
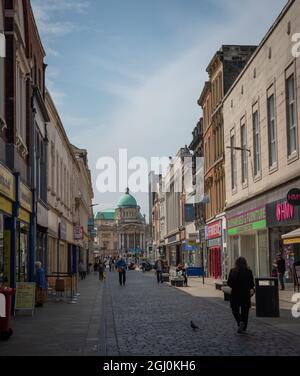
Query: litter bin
pixel 267 297
pixel 5 322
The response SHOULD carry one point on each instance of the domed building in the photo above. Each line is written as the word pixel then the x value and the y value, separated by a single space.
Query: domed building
pixel 121 230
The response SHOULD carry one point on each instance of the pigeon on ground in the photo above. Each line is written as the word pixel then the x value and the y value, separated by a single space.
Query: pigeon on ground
pixel 194 326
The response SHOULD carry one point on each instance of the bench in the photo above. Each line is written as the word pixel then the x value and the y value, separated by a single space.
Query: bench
pixel 177 282
pixel 221 284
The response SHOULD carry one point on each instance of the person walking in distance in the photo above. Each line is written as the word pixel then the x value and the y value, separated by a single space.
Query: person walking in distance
pixel 159 270
pixel 81 268
pixel 41 284
pixel 280 263
pixel 101 268
pixel 121 269
pixel 241 282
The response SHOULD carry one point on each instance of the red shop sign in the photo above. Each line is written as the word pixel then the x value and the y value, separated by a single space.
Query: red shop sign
pixel 214 230
pixel 284 211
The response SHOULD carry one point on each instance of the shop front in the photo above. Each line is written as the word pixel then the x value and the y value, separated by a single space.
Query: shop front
pixel 248 237
pixel 42 234
pixel 214 249
pixel 7 199
pixel 23 230
pixel 173 250
pixel 283 218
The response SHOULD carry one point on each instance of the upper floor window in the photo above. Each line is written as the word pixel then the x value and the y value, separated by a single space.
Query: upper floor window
pixel 244 156
pixel 256 143
pixel 291 115
pixel 233 160
pixel 20 104
pixel 272 136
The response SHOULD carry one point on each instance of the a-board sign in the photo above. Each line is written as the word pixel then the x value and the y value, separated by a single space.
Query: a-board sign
pixel 25 296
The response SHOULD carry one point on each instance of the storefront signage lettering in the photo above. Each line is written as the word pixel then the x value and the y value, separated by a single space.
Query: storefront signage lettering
pixel 7 186
pixel 214 230
pixel 293 197
pixel 248 221
pixel 284 211
pixel 281 213
pixel 25 197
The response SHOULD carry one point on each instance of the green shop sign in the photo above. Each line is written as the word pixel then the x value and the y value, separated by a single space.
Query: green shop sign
pixel 248 221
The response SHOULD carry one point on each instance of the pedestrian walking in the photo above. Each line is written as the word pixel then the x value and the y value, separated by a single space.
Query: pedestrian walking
pixel 159 270
pixel 101 268
pixel 41 284
pixel 121 269
pixel 82 270
pixel 241 282
pixel 280 264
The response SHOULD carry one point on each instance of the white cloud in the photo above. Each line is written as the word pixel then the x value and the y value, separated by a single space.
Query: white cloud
pixel 161 112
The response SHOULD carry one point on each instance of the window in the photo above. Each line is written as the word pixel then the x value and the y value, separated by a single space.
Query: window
pixel 256 143
pixel 272 131
pixel 233 160
pixel 244 156
pixel 57 176
pixel 291 115
pixel 21 104
pixel 52 166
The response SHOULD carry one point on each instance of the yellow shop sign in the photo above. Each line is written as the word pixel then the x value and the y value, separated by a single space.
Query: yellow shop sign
pixel 25 197
pixel 7 183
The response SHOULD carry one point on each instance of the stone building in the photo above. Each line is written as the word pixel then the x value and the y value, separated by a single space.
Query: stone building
pixel 121 230
pixel 262 141
pixel 223 69
pixel 69 199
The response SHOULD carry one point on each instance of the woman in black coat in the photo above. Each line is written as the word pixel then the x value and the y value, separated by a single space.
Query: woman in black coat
pixel 241 282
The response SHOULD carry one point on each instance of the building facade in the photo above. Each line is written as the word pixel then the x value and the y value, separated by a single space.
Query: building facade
pixel 121 230
pixel 261 119
pixel 223 69
pixel 69 199
pixel 199 207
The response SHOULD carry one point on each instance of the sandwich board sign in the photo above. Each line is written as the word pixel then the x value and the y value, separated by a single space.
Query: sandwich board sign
pixel 25 296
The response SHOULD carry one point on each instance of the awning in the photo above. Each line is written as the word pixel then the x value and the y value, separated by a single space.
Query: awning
pixel 292 237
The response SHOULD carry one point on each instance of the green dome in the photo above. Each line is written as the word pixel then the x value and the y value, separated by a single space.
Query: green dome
pixel 127 201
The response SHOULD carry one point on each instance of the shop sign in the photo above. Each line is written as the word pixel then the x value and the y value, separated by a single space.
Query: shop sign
pixel 280 213
pixel 25 296
pixel 78 232
pixel 25 197
pixel 214 230
pixel 6 205
pixel 293 197
pixel 7 183
pixel 214 243
pixel 251 220
pixel 63 230
pixel 190 245
pixel 172 239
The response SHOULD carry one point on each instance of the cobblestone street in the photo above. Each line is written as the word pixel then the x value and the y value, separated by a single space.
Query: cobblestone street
pixel 142 318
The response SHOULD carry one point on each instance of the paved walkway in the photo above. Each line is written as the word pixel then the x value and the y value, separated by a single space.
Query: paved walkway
pixel 144 318
pixel 60 328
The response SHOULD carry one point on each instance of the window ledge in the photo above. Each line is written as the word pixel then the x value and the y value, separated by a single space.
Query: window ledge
pixel 245 185
pixel 257 178
pixel 292 157
pixel 273 169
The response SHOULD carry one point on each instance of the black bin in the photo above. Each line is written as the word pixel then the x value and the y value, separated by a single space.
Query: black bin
pixel 267 297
